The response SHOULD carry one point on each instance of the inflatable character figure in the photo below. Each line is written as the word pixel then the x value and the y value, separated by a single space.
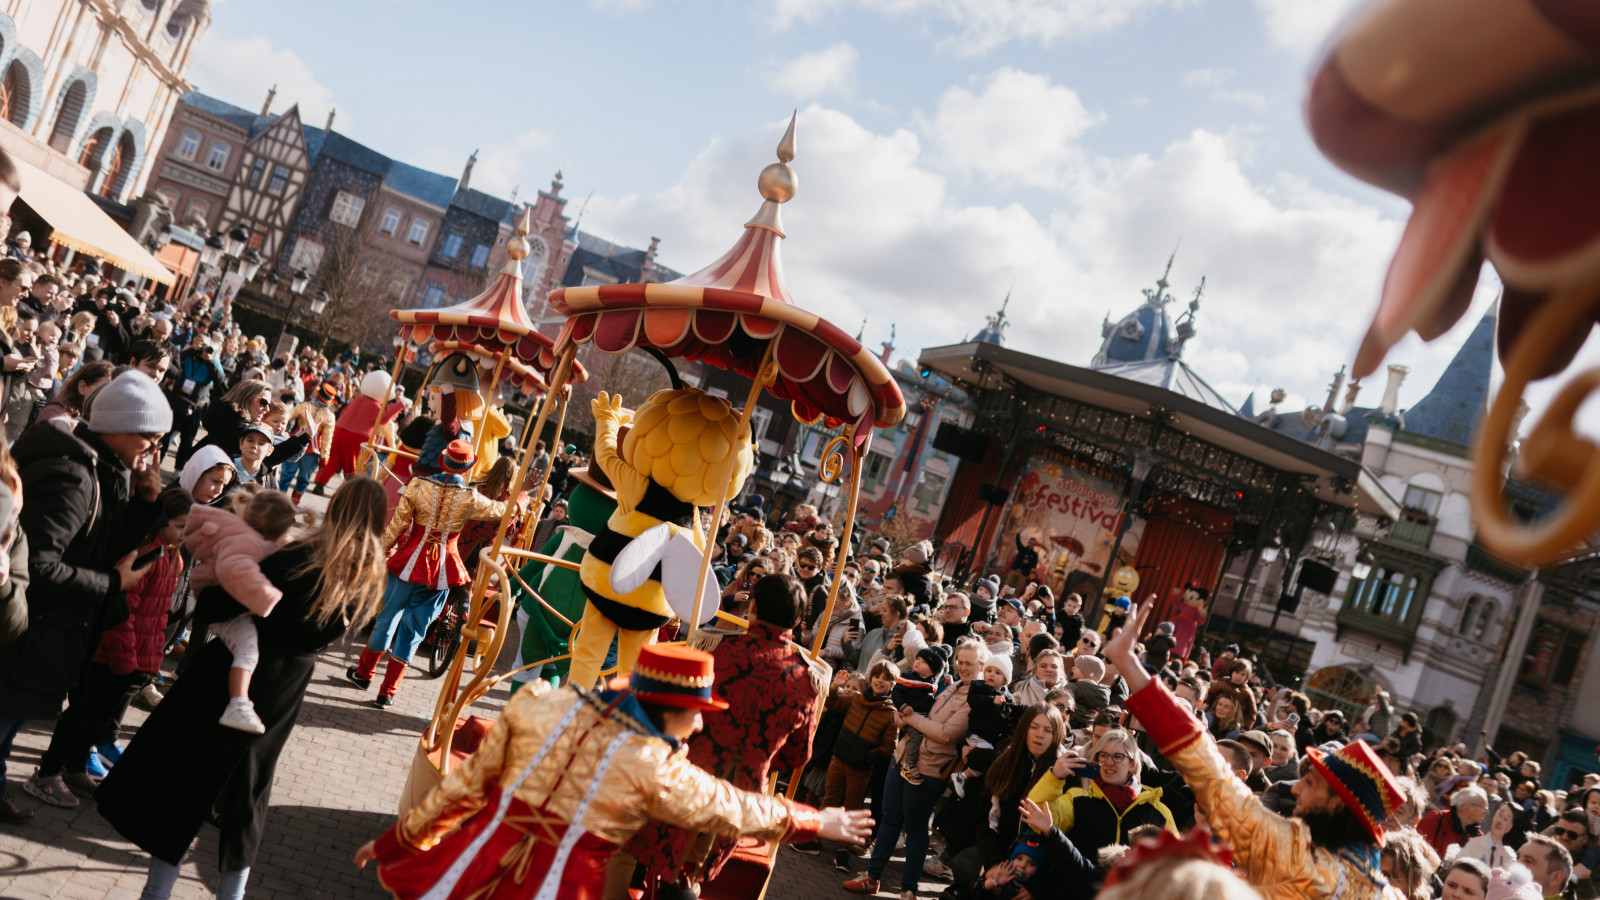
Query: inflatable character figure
pixel 353 426
pixel 496 429
pixel 1124 581
pixel 1188 619
pixel 642 566
pixel 544 635
pixel 453 396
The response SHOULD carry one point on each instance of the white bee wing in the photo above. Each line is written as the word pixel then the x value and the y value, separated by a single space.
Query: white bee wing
pixel 680 570
pixel 638 559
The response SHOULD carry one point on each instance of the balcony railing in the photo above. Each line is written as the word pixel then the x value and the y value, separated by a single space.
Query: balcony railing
pixel 1407 530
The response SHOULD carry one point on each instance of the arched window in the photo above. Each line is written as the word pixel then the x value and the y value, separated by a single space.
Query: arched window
pixel 1486 617
pixel 1438 727
pixel 15 94
pixel 198 209
pixel 120 169
pixel 1477 617
pixel 94 148
pixel 67 119
pixel 189 145
pixel 534 263
pixel 169 196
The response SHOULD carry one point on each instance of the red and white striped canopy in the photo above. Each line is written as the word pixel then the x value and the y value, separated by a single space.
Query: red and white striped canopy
pixel 493 322
pixel 729 312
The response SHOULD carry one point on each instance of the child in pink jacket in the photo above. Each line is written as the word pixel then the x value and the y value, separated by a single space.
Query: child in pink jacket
pixel 228 548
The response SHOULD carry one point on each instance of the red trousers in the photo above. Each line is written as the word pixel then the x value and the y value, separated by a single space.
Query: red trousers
pixel 342 453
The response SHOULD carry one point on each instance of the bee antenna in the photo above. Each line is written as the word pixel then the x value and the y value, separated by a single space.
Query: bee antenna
pixel 672 370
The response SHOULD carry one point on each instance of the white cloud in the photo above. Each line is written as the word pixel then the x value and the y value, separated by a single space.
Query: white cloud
pixel 1215 82
pixel 500 163
pixel 812 75
pixel 620 7
pixel 1022 129
pixel 1293 272
pixel 982 25
pixel 1301 26
pixel 1208 79
pixel 242 70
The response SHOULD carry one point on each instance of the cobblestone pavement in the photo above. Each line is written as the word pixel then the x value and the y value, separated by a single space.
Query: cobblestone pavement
pixel 338 781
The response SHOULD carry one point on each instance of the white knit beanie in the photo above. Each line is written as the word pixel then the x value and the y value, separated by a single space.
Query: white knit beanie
pixel 131 404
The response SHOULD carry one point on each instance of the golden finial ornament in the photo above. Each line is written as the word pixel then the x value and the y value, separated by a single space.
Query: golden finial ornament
pixel 778 183
pixel 518 248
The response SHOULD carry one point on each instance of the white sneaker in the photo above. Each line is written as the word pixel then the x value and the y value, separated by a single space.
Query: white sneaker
pixel 933 868
pixel 151 695
pixel 241 715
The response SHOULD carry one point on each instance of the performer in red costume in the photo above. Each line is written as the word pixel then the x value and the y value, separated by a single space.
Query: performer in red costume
pixel 1330 848
pixel 566 777
pixel 772 694
pixel 355 425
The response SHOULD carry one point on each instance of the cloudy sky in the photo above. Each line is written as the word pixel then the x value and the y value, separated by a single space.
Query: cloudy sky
pixel 949 151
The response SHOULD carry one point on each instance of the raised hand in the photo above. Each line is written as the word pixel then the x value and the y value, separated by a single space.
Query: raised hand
pixel 1037 817
pixel 1121 651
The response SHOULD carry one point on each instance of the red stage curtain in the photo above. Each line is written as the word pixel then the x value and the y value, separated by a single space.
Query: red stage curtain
pixel 1183 544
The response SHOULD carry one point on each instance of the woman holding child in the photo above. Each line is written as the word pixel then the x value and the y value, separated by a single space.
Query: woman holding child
pixel 908 801
pixel 183 764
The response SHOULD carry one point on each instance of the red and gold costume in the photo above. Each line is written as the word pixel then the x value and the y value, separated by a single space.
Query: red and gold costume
pixel 563 779
pixel 439 506
pixel 1274 853
pixel 771 691
pixel 350 431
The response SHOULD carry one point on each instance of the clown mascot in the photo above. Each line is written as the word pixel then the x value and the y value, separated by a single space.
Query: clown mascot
pixel 423 566
pixel 643 565
pixel 354 425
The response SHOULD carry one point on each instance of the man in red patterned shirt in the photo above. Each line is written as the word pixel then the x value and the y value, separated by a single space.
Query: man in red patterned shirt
pixel 771 690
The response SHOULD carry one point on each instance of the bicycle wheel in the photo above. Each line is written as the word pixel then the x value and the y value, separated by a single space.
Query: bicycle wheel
pixel 444 638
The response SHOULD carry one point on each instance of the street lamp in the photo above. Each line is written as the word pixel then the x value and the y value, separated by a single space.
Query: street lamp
pixel 233 244
pixel 250 264
pixel 296 284
pixel 1363 565
pixel 211 253
pixel 1269 552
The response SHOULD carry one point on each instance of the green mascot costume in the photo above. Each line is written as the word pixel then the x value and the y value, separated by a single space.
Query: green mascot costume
pixel 543 635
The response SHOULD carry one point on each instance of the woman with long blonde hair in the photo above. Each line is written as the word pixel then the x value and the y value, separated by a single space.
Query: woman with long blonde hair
pixel 183 764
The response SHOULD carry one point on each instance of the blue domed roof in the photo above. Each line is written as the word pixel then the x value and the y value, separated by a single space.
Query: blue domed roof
pixel 1142 336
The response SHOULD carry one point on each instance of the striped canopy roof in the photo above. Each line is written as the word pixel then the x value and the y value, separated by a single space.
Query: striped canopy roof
pixel 729 312
pixel 494 321
pixel 526 378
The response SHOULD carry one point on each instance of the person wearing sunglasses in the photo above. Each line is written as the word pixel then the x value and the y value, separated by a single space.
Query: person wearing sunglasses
pixel 1096 798
pixel 1572 832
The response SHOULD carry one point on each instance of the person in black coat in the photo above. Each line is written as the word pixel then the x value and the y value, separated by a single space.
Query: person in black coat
pixel 83 517
pixel 182 764
pixel 191 381
pixel 239 410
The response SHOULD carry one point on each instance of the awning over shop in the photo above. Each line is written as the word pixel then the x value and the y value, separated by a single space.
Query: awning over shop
pixel 77 223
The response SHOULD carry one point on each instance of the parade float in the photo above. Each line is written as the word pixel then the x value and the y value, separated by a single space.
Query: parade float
pixel 736 314
pixel 1485 114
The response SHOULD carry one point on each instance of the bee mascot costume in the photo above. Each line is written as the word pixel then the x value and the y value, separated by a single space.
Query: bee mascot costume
pixel 643 564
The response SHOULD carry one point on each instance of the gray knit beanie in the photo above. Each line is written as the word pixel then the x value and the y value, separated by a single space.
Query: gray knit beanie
pixel 131 404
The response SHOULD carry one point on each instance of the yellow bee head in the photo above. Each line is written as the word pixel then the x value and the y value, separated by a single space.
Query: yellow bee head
pixel 1124 581
pixel 681 439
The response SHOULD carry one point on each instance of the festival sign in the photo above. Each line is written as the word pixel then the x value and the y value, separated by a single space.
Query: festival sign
pixel 1074 514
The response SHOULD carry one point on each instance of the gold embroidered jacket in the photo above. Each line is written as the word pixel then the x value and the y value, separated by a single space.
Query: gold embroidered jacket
pixel 439 506
pixel 1274 853
pixel 642 777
